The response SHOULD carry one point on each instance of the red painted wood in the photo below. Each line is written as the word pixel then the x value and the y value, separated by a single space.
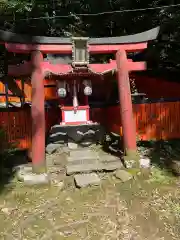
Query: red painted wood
pixel 154 121
pixel 38 113
pixel 137 66
pixel 67 49
pixel 63 69
pixel 156 88
pixel 16 127
pixel 126 112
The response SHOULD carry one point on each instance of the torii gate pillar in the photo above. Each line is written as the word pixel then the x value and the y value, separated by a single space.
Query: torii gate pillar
pixel 38 114
pixel 126 111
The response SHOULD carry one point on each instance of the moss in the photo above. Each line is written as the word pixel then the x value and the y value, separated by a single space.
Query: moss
pixel 134 171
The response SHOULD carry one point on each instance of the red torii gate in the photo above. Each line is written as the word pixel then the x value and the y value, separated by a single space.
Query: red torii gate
pixel 38 69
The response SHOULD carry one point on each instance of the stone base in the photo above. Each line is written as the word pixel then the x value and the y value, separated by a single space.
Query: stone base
pixel 25 174
pixel 83 180
pixel 84 135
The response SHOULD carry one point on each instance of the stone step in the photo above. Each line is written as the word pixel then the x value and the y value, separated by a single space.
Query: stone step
pixel 93 158
pixel 52 147
pixel 108 157
pixel 94 165
pixel 82 161
pixel 82 154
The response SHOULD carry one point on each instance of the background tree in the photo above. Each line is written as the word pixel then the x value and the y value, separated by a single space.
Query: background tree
pixel 41 17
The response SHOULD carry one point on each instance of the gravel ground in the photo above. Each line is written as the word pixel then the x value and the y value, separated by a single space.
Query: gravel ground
pixel 136 210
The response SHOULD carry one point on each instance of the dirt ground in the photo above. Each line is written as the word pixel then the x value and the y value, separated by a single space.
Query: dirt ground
pixel 136 210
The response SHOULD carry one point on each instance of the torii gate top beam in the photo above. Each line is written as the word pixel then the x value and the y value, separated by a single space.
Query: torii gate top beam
pixel 24 44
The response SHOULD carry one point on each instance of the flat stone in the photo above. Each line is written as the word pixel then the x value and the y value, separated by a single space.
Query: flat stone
pixel 108 157
pixel 94 165
pixel 72 145
pixel 82 154
pixel 89 155
pixel 123 175
pixel 61 159
pixel 81 161
pixel 25 174
pixel 85 161
pixel 83 180
pixel 36 179
pixel 52 147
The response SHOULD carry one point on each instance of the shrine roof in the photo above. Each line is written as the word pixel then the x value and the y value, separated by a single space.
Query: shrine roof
pixel 152 34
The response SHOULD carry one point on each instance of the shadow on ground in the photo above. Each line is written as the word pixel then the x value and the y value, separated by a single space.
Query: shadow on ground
pixel 163 154
pixel 9 160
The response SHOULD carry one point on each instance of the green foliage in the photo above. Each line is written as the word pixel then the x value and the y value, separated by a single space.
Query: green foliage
pixel 160 176
pixel 17 15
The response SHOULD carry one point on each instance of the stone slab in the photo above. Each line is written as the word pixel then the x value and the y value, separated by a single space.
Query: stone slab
pixel 83 180
pixel 52 147
pixel 82 161
pixel 82 154
pixel 72 145
pixel 92 159
pixel 36 179
pixel 108 157
pixel 93 166
pixel 25 174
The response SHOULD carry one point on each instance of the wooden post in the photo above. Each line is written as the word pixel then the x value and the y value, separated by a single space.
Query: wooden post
pixel 38 114
pixel 126 111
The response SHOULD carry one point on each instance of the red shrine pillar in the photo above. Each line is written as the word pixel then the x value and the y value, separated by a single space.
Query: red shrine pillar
pixel 126 111
pixel 38 114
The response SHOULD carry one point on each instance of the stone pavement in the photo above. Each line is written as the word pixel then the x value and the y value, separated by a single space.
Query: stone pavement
pixel 85 163
pixel 87 160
